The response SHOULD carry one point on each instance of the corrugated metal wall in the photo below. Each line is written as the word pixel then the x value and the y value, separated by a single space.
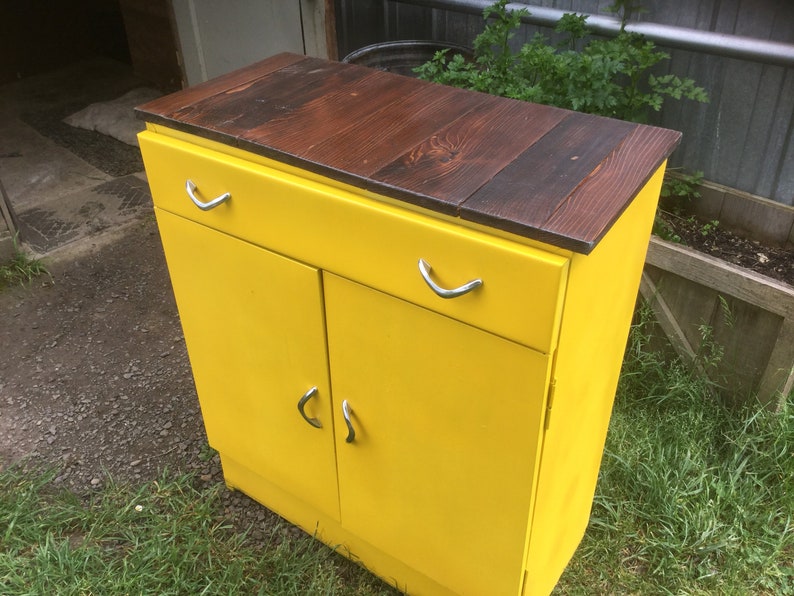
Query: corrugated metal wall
pixel 742 138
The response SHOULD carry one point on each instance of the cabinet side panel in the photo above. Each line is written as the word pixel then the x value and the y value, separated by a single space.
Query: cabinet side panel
pixel 602 291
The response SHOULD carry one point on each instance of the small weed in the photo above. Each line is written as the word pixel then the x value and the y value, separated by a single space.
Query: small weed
pixel 20 269
pixel 681 186
pixel 206 453
pixel 666 231
pixel 708 228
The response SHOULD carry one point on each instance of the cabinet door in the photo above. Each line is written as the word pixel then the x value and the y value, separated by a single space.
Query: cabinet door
pixel 447 422
pixel 253 324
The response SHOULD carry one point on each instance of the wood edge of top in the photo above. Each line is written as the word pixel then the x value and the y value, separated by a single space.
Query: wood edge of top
pixel 153 110
pixel 580 243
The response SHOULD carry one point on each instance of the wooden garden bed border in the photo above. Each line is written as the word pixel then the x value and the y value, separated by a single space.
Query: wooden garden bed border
pixel 763 292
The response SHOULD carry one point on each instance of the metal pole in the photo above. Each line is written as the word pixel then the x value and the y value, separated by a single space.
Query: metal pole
pixel 709 42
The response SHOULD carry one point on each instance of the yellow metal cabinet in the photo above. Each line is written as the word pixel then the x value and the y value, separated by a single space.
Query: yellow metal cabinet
pixel 409 348
pixel 437 466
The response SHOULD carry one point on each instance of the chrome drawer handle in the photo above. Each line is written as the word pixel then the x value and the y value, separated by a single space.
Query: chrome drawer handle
pixel 302 404
pixel 346 411
pixel 190 187
pixel 425 269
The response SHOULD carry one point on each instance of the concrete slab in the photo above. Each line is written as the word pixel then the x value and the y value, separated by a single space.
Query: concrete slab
pixel 66 183
pixel 34 169
pixel 86 213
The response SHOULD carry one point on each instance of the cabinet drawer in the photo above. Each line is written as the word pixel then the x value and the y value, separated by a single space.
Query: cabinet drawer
pixel 372 242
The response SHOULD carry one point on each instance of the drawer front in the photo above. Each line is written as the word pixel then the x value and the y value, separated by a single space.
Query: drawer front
pixel 374 243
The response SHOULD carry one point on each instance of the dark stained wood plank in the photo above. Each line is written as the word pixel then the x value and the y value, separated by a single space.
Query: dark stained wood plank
pixel 241 110
pixel 369 143
pixel 584 218
pixel 332 105
pixel 164 109
pixel 526 192
pixel 450 165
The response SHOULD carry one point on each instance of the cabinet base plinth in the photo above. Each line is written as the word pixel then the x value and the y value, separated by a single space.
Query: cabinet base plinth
pixel 329 531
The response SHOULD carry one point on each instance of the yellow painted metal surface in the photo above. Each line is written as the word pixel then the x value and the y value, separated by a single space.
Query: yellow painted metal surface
pixel 463 477
pixel 447 423
pixel 254 329
pixel 602 291
pixel 373 243
pixel 393 571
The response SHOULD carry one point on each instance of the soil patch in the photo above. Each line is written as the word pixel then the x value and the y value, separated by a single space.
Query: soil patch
pixel 701 235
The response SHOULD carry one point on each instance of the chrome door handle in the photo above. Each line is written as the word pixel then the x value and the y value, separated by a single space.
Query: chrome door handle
pixel 351 432
pixel 302 404
pixel 425 269
pixel 190 188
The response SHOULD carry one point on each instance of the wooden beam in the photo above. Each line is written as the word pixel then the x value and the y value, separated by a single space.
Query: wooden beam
pixel 666 319
pixel 778 378
pixel 7 212
pixel 755 289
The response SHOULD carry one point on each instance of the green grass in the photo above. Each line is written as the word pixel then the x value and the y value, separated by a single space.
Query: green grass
pixel 20 269
pixel 693 498
pixel 161 538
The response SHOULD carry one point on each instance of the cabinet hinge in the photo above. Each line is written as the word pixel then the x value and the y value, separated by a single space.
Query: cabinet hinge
pixel 550 402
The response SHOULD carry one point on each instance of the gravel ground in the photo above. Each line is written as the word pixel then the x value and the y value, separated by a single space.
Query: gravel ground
pixel 94 376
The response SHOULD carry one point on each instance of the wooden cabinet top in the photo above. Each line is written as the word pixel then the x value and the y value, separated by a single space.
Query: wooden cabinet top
pixel 541 172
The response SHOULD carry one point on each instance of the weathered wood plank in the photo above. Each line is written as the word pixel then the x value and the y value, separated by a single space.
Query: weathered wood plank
pixel 750 317
pixel 746 335
pixel 778 379
pixel 723 277
pixel 406 121
pixel 586 215
pixel 692 304
pixel 451 164
pixel 165 109
pixel 530 189
pixel 666 318
pixel 327 113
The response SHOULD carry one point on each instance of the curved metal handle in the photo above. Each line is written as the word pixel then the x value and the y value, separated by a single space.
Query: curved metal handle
pixel 302 403
pixel 425 269
pixel 190 188
pixel 346 411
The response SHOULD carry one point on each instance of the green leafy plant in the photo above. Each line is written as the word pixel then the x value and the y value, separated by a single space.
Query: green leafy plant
pixel 708 228
pixel 608 77
pixel 20 269
pixel 625 8
pixel 679 189
pixel 665 230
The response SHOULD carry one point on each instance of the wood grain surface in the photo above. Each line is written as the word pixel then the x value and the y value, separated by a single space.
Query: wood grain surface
pixel 541 172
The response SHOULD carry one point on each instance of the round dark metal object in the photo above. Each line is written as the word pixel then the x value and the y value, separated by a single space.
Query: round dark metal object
pixel 401 57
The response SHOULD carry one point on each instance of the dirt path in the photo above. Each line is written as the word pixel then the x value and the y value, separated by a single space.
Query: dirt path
pixel 94 376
